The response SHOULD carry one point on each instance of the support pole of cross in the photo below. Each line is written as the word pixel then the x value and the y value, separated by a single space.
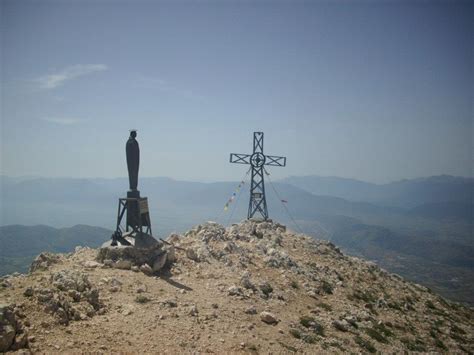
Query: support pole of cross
pixel 257 161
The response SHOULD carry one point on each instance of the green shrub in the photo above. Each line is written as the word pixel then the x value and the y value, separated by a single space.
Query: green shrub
pixel 327 287
pixel 416 345
pixel 458 337
pixel 325 306
pixel 365 344
pixel 311 323
pixel 363 296
pixel 296 333
pixel 266 288
pixel 374 334
pixel 456 329
pixel 311 339
pixel 306 321
pixel 439 343
pixel 384 330
pixel 318 329
pixel 142 299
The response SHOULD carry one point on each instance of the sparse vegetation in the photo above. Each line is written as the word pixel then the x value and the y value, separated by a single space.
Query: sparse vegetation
pixel 288 347
pixel 374 334
pixel 252 347
pixel 455 328
pixel 394 305
pixel 324 306
pixel 457 337
pixel 414 345
pixel 365 296
pixel 266 288
pixel 337 345
pixel 365 344
pixel 311 323
pixel 439 343
pixel 384 330
pixel 142 299
pixel 327 287
pixel 444 302
pixel 298 326
pixel 306 321
pixel 309 338
pixel 296 333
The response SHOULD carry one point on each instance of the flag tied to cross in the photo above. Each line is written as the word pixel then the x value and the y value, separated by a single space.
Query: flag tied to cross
pixel 234 194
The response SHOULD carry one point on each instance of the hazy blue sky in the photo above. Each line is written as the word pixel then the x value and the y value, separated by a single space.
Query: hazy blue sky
pixel 377 90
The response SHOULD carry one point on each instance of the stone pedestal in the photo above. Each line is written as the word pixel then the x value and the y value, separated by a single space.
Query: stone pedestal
pixel 156 257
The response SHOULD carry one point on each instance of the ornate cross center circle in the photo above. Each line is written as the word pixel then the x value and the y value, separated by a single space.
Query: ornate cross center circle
pixel 257 159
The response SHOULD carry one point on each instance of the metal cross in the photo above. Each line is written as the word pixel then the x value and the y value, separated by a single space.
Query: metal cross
pixel 257 160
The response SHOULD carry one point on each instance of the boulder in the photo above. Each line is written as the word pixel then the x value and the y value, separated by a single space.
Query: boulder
pixel 266 288
pixel 28 292
pixel 170 254
pixel 159 262
pixel 66 280
pixel 234 291
pixel 7 337
pixel 124 257
pixel 146 269
pixel 123 264
pixel 193 311
pixel 173 238
pixel 91 264
pixel 268 318
pixel 246 282
pixel 191 254
pixel 12 335
pixel 43 261
pixel 341 325
pixel 21 341
pixel 108 263
pixel 251 310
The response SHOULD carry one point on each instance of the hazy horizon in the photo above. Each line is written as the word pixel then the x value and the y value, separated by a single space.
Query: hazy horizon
pixel 376 91
pixel 210 180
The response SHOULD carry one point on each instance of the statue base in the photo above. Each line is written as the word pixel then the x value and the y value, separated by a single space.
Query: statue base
pixel 138 225
pixel 133 194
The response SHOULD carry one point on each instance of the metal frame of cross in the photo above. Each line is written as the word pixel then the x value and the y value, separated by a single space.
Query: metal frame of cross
pixel 257 161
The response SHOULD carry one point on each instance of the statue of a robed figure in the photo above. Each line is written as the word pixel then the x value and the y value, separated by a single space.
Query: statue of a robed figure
pixel 138 226
pixel 132 151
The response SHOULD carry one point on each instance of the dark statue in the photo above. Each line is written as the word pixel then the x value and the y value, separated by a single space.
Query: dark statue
pixel 133 161
pixel 134 207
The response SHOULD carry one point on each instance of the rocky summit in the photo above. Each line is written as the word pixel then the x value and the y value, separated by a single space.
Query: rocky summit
pixel 253 287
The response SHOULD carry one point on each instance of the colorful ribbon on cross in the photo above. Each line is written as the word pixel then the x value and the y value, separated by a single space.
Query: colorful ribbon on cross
pixel 234 194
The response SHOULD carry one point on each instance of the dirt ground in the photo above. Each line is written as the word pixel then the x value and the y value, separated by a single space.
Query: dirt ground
pixel 212 302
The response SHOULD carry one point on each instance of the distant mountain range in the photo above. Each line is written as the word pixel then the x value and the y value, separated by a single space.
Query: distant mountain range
pixel 420 228
pixel 404 193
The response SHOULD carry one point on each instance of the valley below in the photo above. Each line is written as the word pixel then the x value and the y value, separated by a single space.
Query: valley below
pixel 422 231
